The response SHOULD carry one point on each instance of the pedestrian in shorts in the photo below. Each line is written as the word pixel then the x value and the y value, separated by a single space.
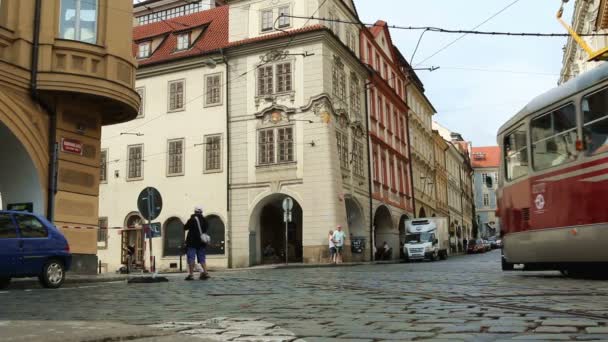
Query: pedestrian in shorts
pixel 332 247
pixel 195 246
pixel 339 241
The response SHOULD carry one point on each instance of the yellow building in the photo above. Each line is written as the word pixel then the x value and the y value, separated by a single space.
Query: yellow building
pixel 441 175
pixel 66 69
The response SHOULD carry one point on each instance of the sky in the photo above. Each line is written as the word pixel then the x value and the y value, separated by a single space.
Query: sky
pixel 477 102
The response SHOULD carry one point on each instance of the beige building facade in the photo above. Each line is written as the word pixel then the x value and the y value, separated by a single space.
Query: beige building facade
pixel 422 146
pixel 297 129
pixel 62 80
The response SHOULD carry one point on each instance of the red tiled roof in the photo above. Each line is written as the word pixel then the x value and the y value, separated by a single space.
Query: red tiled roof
pixel 488 156
pixel 305 29
pixel 214 36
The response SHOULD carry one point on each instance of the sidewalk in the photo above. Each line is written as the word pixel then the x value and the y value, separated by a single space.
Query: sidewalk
pixel 113 277
pixel 90 331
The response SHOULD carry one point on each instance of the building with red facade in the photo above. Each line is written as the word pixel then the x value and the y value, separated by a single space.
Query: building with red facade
pixel 392 195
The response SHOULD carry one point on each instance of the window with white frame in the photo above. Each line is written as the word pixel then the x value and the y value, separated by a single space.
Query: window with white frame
pixel 213 91
pixel 144 49
pixel 265 80
pixel 285 144
pixel 358 167
pixel 213 153
pixel 267 20
pixel 176 95
pixel 78 20
pixel 135 162
pixel 334 23
pixel 275 79
pixel 284 19
pixel 279 15
pixel 484 177
pixel 342 140
pixel 183 41
pixel 102 232
pixel 103 166
pixel 276 145
pixel 486 200
pixel 142 95
pixel 266 146
pixel 175 158
pixel 355 95
pixel 339 79
pixel 284 77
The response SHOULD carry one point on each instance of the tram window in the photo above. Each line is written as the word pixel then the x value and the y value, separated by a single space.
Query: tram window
pixel 516 154
pixel 554 138
pixel 595 127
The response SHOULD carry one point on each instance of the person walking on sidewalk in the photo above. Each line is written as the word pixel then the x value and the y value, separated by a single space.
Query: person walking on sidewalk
pixel 332 247
pixel 195 243
pixel 339 241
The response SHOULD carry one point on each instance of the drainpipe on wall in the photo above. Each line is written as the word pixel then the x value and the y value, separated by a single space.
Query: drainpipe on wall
pixel 228 215
pixel 369 178
pixel 53 147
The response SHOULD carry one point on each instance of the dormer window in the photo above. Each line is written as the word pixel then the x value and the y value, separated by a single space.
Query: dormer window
pixel 284 20
pixel 144 50
pixel 279 15
pixel 183 41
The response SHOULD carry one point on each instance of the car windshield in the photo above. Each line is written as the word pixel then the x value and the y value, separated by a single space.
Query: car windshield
pixel 418 238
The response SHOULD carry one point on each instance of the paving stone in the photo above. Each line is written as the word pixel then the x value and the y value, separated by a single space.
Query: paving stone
pixel 544 337
pixel 387 336
pixel 508 329
pixel 555 330
pixel 467 328
pixel 265 338
pixel 440 320
pixel 202 331
pixel 570 322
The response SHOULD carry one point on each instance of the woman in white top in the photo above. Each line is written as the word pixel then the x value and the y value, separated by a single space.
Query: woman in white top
pixel 332 247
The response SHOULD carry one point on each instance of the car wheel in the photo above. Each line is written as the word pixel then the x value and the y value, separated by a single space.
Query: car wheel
pixel 53 274
pixel 4 282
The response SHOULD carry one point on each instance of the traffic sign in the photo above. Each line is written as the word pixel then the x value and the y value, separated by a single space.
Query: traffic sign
pixel 150 203
pixel 287 204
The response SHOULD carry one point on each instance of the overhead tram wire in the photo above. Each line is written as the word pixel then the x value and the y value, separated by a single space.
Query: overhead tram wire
pixel 442 30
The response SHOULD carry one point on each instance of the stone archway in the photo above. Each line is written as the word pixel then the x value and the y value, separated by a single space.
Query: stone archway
pixel 385 231
pixel 19 177
pixel 359 232
pixel 267 244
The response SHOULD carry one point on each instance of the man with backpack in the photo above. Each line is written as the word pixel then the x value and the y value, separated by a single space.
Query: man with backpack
pixel 196 241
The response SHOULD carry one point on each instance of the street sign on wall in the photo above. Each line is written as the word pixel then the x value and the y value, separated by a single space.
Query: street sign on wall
pixel 72 146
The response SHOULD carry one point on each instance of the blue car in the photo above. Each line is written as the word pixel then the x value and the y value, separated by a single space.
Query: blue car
pixel 30 246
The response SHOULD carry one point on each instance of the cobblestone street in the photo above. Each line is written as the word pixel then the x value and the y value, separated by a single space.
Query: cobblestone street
pixel 464 298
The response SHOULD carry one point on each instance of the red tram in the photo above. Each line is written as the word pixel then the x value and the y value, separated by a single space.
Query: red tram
pixel 553 184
